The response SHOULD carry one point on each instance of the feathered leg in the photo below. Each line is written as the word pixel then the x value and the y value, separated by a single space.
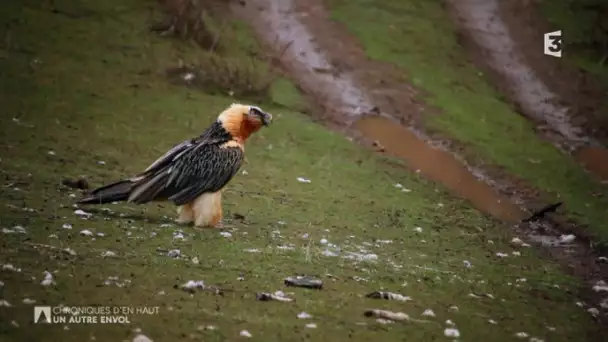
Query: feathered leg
pixel 186 214
pixel 207 210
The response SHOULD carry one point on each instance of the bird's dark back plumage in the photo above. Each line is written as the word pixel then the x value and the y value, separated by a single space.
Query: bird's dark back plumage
pixel 193 167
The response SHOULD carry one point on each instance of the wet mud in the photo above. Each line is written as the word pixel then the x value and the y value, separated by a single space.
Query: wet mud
pixel 357 97
pixel 482 21
pixel 348 104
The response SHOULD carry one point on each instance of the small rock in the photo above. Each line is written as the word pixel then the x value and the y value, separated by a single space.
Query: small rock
pixel 311 326
pixel 28 301
pixel 66 226
pixel 86 232
pixel 304 281
pixel 428 313
pixel 567 238
pixel 226 234
pixel 304 315
pixel 48 279
pixel 108 254
pixel 304 180
pixel 174 253
pixel 245 333
pixel 521 335
pixel 451 332
pixel 142 338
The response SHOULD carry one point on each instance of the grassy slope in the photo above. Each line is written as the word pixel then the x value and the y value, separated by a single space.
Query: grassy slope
pixel 418 36
pixel 70 82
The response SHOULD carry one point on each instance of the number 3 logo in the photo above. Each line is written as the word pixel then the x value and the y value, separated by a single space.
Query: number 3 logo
pixel 553 44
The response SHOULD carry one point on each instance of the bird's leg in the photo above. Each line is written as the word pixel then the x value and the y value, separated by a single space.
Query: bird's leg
pixel 208 210
pixel 186 214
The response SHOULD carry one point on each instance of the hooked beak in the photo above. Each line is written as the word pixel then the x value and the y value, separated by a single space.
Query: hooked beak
pixel 265 118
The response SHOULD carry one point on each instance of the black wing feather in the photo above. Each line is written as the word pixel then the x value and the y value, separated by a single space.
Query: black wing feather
pixel 207 169
pixel 189 169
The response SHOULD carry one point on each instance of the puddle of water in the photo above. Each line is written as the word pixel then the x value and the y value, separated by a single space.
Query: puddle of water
pixel 278 24
pixel 438 165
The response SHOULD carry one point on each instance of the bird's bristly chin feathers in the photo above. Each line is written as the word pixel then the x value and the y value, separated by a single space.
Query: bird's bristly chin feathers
pixel 243 120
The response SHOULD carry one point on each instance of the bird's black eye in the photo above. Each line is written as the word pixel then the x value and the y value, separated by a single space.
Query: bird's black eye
pixel 255 111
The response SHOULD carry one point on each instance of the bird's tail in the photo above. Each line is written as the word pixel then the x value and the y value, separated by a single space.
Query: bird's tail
pixel 115 192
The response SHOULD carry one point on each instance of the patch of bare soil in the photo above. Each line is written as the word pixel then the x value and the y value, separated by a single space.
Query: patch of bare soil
pixel 373 102
pixel 505 38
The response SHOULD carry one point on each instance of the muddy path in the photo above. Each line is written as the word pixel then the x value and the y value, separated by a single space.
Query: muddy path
pixel 367 101
pixel 505 39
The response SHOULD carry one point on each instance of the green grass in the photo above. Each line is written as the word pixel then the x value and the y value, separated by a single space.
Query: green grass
pixel 418 36
pixel 92 89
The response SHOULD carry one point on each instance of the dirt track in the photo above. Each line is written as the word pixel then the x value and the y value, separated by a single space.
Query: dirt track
pixel 365 100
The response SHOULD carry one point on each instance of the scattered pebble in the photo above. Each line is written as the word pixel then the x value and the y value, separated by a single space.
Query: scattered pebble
pixel 10 267
pixel 15 229
pixel 174 253
pixel 600 286
pixel 428 313
pixel 226 234
pixel 593 311
pixel 311 326
pixel 108 254
pixel 567 238
pixel 304 180
pixel 304 315
pixel 252 250
pixel 5 303
pixel 48 279
pixel 323 241
pixel 178 236
pixel 453 308
pixel 28 301
pixel 116 281
pixel 385 314
pixel 521 335
pixel 502 255
pixel 82 213
pixel 141 338
pixel 467 264
pixel 491 321
pixel 278 295
pixel 245 333
pixel 451 332
pixel 388 295
pixel 418 229
pixel 86 232
pixel 304 281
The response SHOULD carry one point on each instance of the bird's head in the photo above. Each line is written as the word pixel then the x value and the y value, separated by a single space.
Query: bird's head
pixel 243 120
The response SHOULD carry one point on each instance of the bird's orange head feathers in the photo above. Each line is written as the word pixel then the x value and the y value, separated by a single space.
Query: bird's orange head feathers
pixel 243 120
